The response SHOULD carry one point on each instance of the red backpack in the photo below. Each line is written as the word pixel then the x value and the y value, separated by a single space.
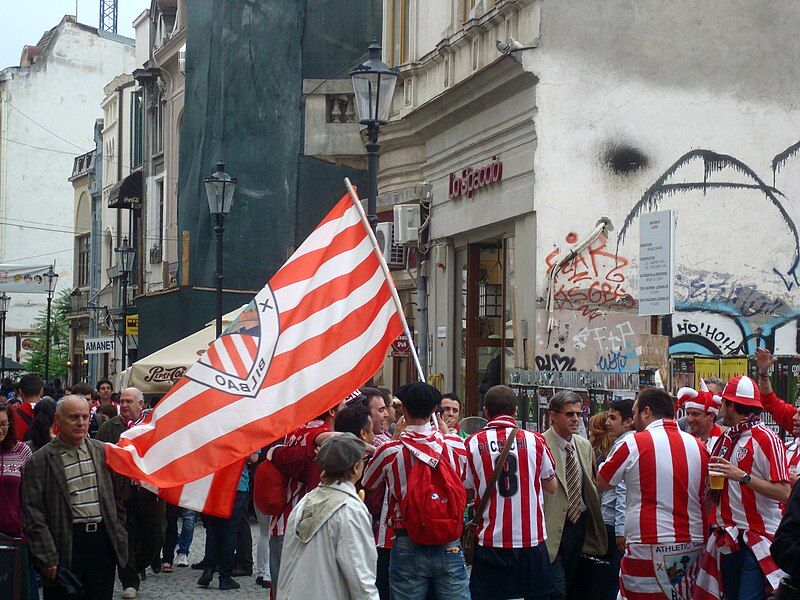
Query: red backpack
pixel 433 507
pixel 269 489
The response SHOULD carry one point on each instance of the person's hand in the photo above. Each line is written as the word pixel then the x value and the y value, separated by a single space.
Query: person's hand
pixel 720 466
pixel 399 428
pixel 441 424
pixel 764 359
pixel 621 543
pixel 50 572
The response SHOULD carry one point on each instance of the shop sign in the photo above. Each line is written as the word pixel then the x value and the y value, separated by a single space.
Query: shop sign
pixel 103 345
pixel 470 180
pixel 165 374
pixel 400 346
pixel 132 325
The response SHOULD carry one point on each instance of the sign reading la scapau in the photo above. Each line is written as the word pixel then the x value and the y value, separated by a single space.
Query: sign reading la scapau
pixel 472 180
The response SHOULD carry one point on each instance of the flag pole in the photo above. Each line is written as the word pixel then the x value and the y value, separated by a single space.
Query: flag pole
pixel 354 197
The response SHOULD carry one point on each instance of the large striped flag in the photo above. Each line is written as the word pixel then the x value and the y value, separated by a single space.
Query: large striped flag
pixel 320 328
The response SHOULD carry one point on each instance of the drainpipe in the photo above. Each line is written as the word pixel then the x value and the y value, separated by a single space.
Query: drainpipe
pixel 424 192
pixel 96 242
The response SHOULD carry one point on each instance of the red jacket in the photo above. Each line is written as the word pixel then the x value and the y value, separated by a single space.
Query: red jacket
pixel 23 417
pixel 783 412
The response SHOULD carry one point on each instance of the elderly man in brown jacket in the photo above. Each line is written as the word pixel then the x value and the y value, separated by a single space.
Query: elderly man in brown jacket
pixel 70 513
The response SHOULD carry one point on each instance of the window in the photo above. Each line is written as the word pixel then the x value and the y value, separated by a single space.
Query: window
pixel 158 125
pixel 401 32
pixel 136 129
pixel 82 271
pixel 466 8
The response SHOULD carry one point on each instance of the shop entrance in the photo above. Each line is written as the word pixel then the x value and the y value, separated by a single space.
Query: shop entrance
pixel 485 347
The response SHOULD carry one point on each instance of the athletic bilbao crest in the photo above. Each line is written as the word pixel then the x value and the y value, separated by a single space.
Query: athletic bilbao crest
pixel 238 361
pixel 741 454
pixel 676 569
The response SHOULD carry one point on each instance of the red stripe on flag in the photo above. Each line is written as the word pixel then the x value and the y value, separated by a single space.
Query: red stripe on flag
pixel 251 345
pixel 233 355
pixel 212 357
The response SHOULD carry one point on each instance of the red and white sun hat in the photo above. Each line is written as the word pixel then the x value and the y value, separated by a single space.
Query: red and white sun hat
pixel 704 400
pixel 742 390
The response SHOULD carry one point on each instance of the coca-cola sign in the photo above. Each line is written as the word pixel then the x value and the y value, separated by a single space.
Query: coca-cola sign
pixel 161 374
pixel 470 180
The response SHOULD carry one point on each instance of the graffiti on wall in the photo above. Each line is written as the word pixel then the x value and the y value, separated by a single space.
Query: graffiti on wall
pixel 615 346
pixel 593 281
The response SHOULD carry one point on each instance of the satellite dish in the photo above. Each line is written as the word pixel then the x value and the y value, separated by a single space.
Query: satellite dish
pixel 470 425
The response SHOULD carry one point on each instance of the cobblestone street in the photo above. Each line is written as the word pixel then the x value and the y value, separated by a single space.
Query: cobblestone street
pixel 181 584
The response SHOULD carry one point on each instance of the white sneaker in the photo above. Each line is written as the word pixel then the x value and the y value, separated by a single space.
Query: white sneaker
pixel 181 560
pixel 129 593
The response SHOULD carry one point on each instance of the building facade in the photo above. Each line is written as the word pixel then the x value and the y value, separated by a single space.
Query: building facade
pixel 45 120
pixel 585 112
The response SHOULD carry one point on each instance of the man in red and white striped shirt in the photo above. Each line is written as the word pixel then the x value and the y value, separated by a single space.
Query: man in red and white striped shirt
pixel 747 511
pixel 415 568
pixel 512 527
pixel 665 472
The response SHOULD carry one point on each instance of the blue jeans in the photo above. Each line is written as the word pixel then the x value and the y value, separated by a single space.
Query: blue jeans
pixel 414 569
pixel 187 531
pixel 742 577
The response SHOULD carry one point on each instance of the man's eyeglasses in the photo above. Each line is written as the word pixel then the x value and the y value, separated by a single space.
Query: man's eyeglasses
pixel 571 414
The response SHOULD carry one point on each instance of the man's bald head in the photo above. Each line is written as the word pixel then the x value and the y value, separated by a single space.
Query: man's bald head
pixel 72 418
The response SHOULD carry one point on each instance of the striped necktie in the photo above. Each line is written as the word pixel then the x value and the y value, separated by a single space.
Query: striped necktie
pixel 573 486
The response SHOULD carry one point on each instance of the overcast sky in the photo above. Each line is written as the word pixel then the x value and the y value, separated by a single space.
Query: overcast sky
pixel 25 22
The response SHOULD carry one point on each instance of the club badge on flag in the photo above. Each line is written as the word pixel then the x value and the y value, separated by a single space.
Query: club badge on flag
pixel 319 329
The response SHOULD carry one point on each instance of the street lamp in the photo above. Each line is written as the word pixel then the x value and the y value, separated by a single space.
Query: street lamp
pixel 5 300
pixel 125 263
pixel 219 189
pixel 373 83
pixel 51 277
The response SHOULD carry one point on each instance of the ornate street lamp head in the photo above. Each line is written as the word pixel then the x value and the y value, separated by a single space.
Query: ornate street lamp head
pixel 219 189
pixel 374 83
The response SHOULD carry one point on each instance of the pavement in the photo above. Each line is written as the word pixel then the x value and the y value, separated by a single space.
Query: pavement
pixel 181 584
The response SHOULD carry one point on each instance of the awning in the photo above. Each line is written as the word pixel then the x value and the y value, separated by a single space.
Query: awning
pixel 127 193
pixel 158 372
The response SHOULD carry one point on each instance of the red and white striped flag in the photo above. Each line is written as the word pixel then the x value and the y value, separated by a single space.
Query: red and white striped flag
pixel 320 328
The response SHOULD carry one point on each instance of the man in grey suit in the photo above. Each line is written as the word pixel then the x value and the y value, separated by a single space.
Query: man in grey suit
pixel 70 512
pixel 572 515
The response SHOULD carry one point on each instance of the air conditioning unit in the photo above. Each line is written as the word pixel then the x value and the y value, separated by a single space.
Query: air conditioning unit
pixel 393 253
pixel 406 223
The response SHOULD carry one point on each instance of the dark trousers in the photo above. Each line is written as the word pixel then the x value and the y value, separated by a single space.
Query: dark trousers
pixel 499 573
pixel 145 522
pixel 566 562
pixel 606 578
pixel 221 538
pixel 742 577
pixel 93 561
pixel 244 538
pixel 382 579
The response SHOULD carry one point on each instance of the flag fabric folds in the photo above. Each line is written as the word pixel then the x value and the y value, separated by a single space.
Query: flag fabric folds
pixel 320 328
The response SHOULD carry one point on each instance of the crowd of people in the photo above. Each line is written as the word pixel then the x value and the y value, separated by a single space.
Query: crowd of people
pixel 384 496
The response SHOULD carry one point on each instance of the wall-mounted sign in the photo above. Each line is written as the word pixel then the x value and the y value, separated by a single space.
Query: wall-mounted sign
pixel 470 180
pixel 103 345
pixel 132 325
pixel 400 346
pixel 657 263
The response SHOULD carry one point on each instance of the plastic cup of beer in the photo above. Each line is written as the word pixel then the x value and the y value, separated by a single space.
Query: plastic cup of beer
pixel 715 480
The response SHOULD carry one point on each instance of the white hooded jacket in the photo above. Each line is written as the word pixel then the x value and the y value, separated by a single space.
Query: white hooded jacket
pixel 329 549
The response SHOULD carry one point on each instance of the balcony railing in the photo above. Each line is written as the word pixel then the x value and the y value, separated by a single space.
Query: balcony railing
pixel 340 108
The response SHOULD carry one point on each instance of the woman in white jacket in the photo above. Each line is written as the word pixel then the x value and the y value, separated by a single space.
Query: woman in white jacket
pixel 329 549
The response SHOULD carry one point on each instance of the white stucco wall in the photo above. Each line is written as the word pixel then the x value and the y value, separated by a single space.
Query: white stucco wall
pixel 650 86
pixel 61 95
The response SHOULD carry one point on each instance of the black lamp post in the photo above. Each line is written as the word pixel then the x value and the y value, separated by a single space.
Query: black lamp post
pixel 5 300
pixel 51 277
pixel 219 189
pixel 373 83
pixel 125 263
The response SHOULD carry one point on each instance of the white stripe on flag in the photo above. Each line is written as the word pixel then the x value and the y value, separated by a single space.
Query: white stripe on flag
pixel 244 353
pixel 227 363
pixel 195 493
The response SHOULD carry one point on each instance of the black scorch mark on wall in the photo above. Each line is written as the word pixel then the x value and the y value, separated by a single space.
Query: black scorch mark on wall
pixel 623 159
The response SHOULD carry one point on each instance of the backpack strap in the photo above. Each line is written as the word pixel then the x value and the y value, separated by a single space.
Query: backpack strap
pixel 493 479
